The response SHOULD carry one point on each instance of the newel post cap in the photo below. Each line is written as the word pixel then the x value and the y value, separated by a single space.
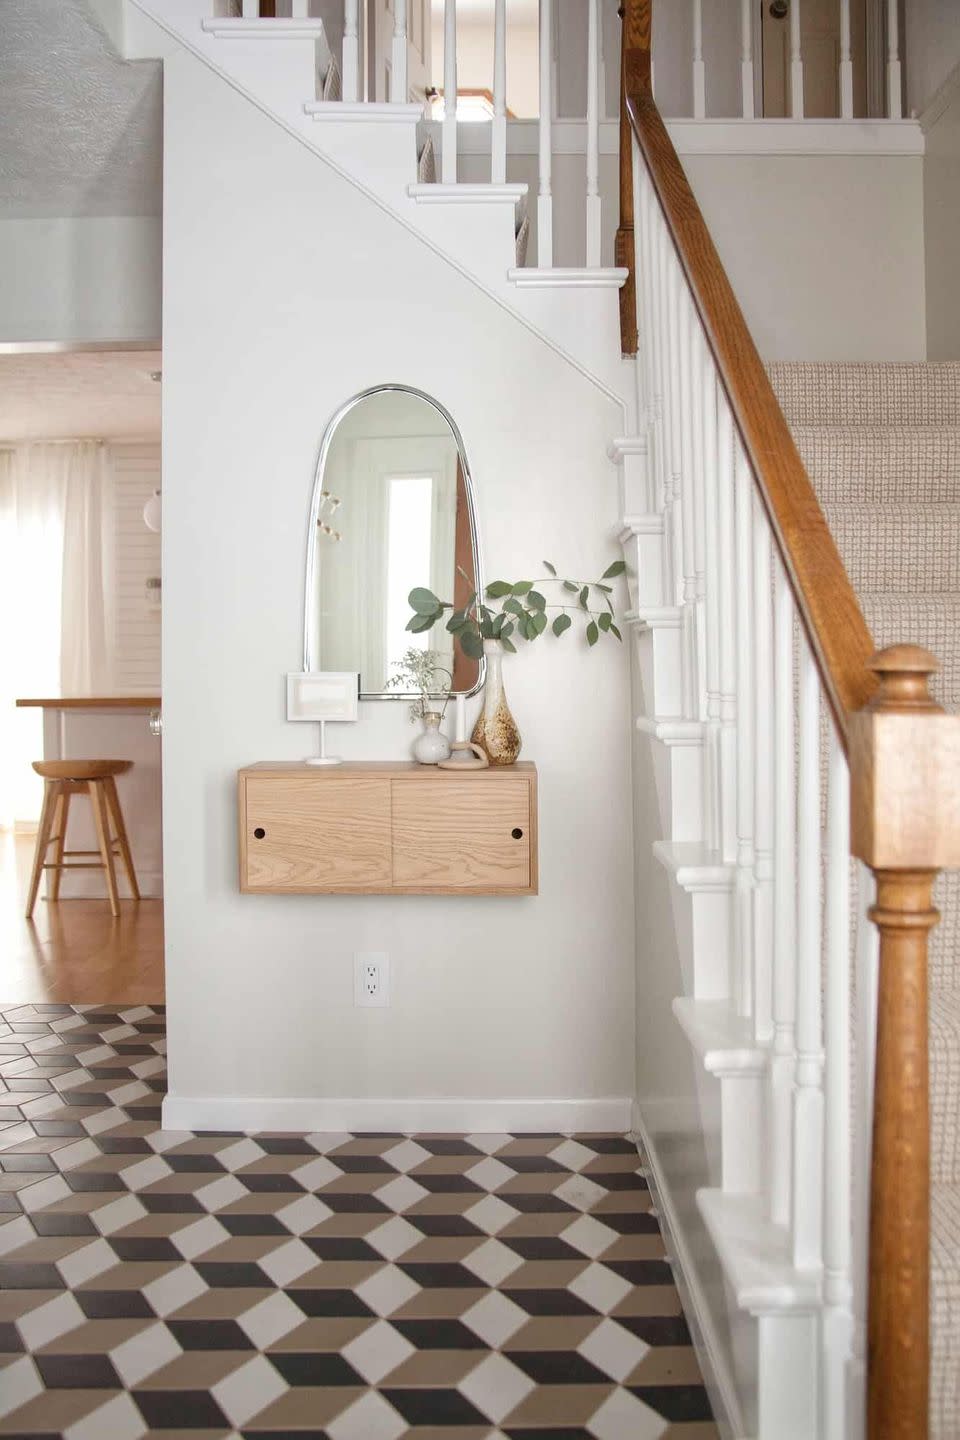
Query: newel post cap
pixel 904 674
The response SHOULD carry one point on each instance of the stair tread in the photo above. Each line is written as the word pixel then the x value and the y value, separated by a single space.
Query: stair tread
pixel 723 1039
pixel 898 547
pixel 755 1254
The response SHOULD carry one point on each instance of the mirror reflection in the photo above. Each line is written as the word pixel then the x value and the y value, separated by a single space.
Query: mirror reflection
pixel 392 510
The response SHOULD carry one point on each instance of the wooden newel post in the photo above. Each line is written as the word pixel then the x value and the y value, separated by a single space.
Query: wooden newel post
pixel 634 75
pixel 905 803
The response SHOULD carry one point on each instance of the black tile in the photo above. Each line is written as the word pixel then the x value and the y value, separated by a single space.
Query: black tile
pixel 434 1407
pixel 148 1247
pixel 533 1165
pixel 675 1402
pixel 285 1145
pixel 541 1247
pixel 17 1083
pixel 167 1203
pixel 265 1184
pixel 8 1202
pixel 438 1334
pixel 609 1145
pixel 114 1304
pixel 26 1276
pixel 10 1342
pixel 448 1145
pixel 21 1164
pixel 549 1302
pixel 539 1204
pixel 558 1433
pixel 233 1275
pixel 340 1248
pixel 194 1164
pixel 180 1410
pixel 9 1115
pixel 355 1204
pixel 364 1165
pixel 209 1335
pixel 315 1369
pixel 449 1185
pixel 77 1372
pixel 443 1225
pixel 49 1009
pixel 642 1272
pixel 88 1098
pixel 638 1222
pixel 657 1329
pixel 219 1134
pixel 123 1145
pixel 320 1303
pixel 276 1435
pixel 557 1367
pixel 619 1180
pixel 94 1181
pixel 61 1222
pixel 253 1225
pixel 441 1276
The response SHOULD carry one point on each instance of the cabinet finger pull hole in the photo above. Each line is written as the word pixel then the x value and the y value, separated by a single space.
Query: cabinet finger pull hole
pixel 517 833
pixel 259 833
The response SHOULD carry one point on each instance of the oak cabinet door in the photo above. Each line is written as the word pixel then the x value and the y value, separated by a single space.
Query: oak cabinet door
pixel 301 833
pixel 460 835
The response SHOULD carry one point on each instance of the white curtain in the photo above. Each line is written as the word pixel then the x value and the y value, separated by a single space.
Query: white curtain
pixel 54 584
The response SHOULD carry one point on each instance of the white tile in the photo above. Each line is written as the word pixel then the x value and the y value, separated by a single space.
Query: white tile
pixel 402 1193
pixel 304 1214
pixel 221 1193
pixel 491 1214
pixel 323 1141
pixel 288 1262
pixel 369 1418
pixel 163 1140
pixel 119 1419
pixel 394 1238
pixel 19 1232
pixel 175 1289
pixel 46 1192
pixel 119 1032
pixel 572 1155
pixel 20 1384
pixel 377 1351
pixel 590 1236
pixel 317 1173
pixel 118 1214
pixel 492 1261
pixel 599 1287
pixel 145 1068
pixel 139 1012
pixel 144 1354
pixel 490 1173
pixel 386 1290
pixel 489 1143
pixel 132 1090
pixel 50 1321
pixel 200 1237
pixel 70 1079
pixel 270 1319
pixel 146 1172
pixel 623 1417
pixel 613 1350
pixel 107 1119
pixel 496 1387
pixel 581 1192
pixel 495 1318
pixel 36 1109
pixel 83 1264
pixel 68 1157
pixel 67 1022
pixel 405 1155
pixel 245 1392
pixel 96 1055
pixel 244 1152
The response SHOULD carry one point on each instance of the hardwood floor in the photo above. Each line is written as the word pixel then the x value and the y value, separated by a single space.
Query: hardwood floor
pixel 74 951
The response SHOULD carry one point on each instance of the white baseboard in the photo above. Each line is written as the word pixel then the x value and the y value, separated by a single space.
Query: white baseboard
pixel 716 1376
pixel 406 1116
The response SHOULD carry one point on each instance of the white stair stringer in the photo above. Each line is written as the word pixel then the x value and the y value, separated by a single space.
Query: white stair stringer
pixel 374 148
pixel 724 1042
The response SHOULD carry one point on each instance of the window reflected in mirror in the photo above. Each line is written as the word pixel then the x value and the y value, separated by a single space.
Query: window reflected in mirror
pixel 392 510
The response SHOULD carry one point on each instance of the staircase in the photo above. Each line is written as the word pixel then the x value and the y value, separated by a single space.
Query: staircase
pixel 881 444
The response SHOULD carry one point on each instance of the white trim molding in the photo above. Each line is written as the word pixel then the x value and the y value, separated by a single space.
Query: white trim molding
pixel 580 277
pixel 358 112
pixel 234 28
pixel 467 194
pixel 308 1114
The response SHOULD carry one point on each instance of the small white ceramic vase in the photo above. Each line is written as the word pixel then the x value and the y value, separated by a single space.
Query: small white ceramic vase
pixel 431 746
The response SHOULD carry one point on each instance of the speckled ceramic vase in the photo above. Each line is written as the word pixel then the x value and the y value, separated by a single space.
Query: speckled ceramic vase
pixel 431 745
pixel 496 731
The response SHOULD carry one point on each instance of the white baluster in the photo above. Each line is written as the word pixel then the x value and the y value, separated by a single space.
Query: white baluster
pixel 398 64
pixel 763 798
pixel 796 62
pixel 593 132
pixel 671 331
pixel 682 330
pixel 700 513
pixel 837 1177
pixel 746 59
pixel 653 224
pixel 808 1092
pixel 846 63
pixel 545 197
pixel 867 976
pixel 783 1059
pixel 448 139
pixel 894 81
pixel 728 650
pixel 250 9
pixel 699 72
pixel 708 390
pixel 743 920
pixel 299 9
pixel 351 50
pixel 498 128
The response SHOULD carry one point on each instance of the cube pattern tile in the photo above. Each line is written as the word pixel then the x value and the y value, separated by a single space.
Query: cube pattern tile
pixel 351 1287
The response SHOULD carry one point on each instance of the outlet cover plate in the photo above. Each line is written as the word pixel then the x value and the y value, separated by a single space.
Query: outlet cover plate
pixel 371 978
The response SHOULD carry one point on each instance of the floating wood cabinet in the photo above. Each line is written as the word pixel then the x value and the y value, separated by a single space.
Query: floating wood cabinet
pixel 387 829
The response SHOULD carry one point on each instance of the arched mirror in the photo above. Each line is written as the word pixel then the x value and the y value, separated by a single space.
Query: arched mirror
pixel 392 509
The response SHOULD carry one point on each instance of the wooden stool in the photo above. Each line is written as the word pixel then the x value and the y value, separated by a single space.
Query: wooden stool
pixel 61 779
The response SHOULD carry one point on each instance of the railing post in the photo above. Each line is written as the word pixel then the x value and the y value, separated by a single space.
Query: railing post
pixel 699 69
pixel 905 794
pixel 846 63
pixel 398 61
pixel 545 194
pixel 351 51
pixel 593 133
pixel 498 128
pixel 448 138
pixel 746 59
pixel 635 74
pixel 796 63
pixel 894 81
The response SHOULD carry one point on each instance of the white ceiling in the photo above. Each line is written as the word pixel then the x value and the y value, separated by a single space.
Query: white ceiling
pixel 85 394
pixel 80 129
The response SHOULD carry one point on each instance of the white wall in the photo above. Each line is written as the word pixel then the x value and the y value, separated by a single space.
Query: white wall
pixel 931 48
pixel 941 206
pixel 80 279
pixel 136 558
pixel 492 998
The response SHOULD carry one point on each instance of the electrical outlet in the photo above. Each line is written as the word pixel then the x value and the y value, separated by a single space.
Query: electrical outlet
pixel 371 977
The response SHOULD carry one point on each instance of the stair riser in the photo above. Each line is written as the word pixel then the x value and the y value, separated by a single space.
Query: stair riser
pixel 742 1132
pixel 710 930
pixel 899 550
pixel 788 1364
pixel 479 235
pixel 278 72
pixel 857 464
pixel 659 653
pixel 643 553
pixel 825 394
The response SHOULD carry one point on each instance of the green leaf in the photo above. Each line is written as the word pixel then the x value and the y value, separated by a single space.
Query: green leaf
pixel 585 598
pixel 607 589
pixel 604 621
pixel 424 601
pixel 485 612
pixel 536 601
pixel 513 607
pixel 552 569
pixel 522 587
pixel 615 631
pixel 539 622
pixel 498 626
pixel 508 629
pixel 419 623
pixel 471 644
pixel 497 590
pixel 569 585
pixel 508 645
pixel 617 568
pixel 593 634
pixel 456 623
pixel 526 628
pixel 562 622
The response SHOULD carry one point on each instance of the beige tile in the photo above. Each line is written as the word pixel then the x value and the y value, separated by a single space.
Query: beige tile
pixel 649 1300
pixel 559 1405
pixel 439 1369
pixel 449 1203
pixel 308 1407
pixel 51 1412
pixel 442 1249
pixel 636 1247
pixel 439 1304
pixel 130 1275
pixel 552 1332
pixel 351 1226
pixel 545 1274
pixel 224 1304
pixel 196 1370
pixel 96 1337
pixel 326 1334
pixel 338 1274
pixel 667 1365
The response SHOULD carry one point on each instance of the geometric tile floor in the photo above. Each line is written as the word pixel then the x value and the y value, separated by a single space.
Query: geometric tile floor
pixel 353 1287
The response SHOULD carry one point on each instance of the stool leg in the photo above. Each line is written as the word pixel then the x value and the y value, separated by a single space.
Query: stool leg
pixel 113 800
pixel 50 792
pixel 60 828
pixel 98 805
